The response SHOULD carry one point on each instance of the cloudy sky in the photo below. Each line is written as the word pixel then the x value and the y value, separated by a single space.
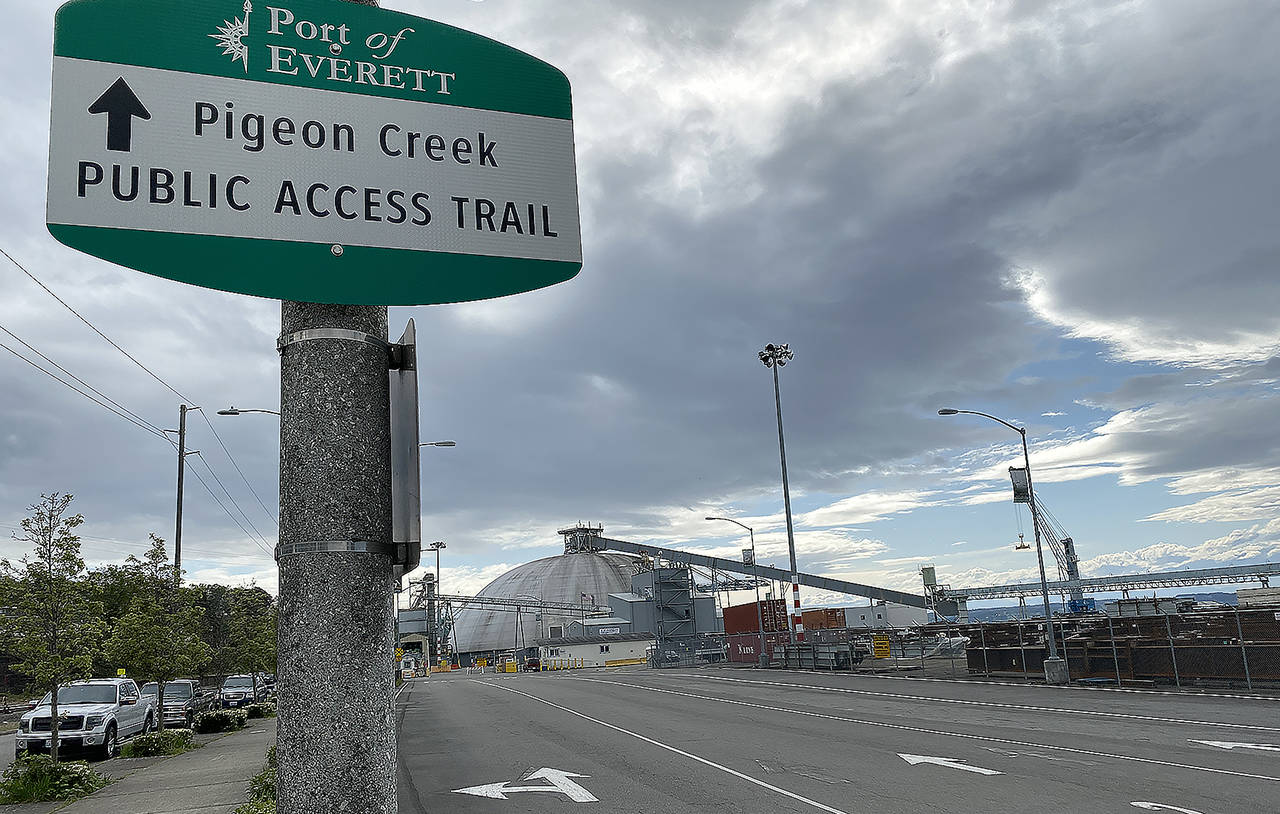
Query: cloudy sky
pixel 1063 213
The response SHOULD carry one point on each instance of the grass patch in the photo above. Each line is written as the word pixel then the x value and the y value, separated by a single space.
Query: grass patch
pixel 220 720
pixel 168 742
pixel 36 778
pixel 262 789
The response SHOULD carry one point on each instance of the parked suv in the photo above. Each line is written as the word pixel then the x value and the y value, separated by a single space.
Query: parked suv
pixel 183 700
pixel 241 691
pixel 95 715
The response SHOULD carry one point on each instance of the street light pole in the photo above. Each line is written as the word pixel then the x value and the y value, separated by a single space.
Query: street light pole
pixel 755 568
pixel 1055 673
pixel 776 356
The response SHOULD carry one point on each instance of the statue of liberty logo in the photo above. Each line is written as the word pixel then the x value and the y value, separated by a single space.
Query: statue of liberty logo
pixel 231 37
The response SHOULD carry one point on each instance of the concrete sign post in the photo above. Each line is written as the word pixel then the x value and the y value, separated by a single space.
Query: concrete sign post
pixel 341 158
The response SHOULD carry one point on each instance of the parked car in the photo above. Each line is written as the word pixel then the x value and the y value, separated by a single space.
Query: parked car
pixel 241 691
pixel 183 700
pixel 94 715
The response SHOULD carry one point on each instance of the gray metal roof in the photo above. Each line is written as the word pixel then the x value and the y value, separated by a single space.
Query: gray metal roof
pixel 563 578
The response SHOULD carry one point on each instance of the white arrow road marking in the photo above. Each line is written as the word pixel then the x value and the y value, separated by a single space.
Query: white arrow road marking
pixel 559 780
pixel 950 763
pixel 1265 747
pixel 1163 807
pixel 562 782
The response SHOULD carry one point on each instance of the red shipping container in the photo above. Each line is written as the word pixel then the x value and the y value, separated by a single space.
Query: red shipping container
pixel 745 619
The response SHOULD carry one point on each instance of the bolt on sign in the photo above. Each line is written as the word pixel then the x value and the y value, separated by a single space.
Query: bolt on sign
pixel 310 150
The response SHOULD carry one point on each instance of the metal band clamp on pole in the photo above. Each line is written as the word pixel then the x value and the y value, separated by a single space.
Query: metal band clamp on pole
pixel 402 357
pixel 334 547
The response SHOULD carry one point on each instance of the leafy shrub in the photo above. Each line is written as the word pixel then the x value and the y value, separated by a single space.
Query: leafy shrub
pixel 262 786
pixel 36 778
pixel 220 720
pixel 262 789
pixel 168 742
pixel 261 710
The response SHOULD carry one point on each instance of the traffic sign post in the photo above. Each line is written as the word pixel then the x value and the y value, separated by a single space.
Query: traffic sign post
pixel 341 158
pixel 306 151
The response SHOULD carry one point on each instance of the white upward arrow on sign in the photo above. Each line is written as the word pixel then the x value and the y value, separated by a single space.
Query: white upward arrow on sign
pixel 950 763
pixel 559 780
pixel 1232 745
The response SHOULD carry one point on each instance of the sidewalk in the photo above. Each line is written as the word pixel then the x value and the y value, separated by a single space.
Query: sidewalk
pixel 211 780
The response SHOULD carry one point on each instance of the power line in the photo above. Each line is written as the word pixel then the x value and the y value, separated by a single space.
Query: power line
pixel 92 327
pixel 200 552
pixel 140 424
pixel 153 375
pixel 252 491
pixel 223 506
pixel 79 380
pixel 229 497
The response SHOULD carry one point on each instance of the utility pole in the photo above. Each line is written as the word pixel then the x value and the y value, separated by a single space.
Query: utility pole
pixel 182 469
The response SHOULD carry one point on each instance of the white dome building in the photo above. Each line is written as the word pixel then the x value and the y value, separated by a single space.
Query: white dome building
pixel 563 578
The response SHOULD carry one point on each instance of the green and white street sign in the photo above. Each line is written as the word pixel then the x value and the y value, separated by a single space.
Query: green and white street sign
pixel 310 150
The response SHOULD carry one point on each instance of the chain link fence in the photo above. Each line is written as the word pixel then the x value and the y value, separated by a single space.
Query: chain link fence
pixel 1237 647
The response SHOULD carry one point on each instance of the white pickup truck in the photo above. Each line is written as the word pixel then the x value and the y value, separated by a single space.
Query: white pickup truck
pixel 94 715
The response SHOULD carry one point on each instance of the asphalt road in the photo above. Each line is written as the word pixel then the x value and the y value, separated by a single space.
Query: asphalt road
pixel 771 741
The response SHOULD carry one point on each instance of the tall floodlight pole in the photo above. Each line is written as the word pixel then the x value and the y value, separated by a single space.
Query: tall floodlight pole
pixel 755 569
pixel 436 643
pixel 1054 668
pixel 776 356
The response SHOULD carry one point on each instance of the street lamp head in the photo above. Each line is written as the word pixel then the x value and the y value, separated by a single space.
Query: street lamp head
pixel 229 411
pixel 776 355
pixel 438 444
pixel 948 411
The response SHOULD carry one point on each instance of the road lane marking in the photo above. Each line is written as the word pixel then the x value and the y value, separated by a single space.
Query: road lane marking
pixel 967 702
pixel 790 794
pixel 949 762
pixel 560 784
pixel 1163 807
pixel 905 728
pixel 1265 747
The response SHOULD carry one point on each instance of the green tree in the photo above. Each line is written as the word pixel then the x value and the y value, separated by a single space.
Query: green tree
pixel 54 627
pixel 158 638
pixel 253 632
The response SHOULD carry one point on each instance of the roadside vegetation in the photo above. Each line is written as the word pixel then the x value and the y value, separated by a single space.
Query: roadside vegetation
pixel 62 622
pixel 38 778
pixel 262 789
pixel 221 720
pixel 165 742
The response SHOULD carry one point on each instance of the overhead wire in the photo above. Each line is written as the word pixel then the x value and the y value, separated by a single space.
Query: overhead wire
pixel 222 486
pixel 140 424
pixel 79 380
pixel 239 471
pixel 224 508
pixel 150 373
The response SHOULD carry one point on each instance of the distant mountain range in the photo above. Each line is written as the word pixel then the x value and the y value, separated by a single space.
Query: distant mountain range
pixel 1035 606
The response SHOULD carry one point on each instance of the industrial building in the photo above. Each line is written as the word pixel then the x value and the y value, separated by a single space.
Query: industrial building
pixel 646 599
